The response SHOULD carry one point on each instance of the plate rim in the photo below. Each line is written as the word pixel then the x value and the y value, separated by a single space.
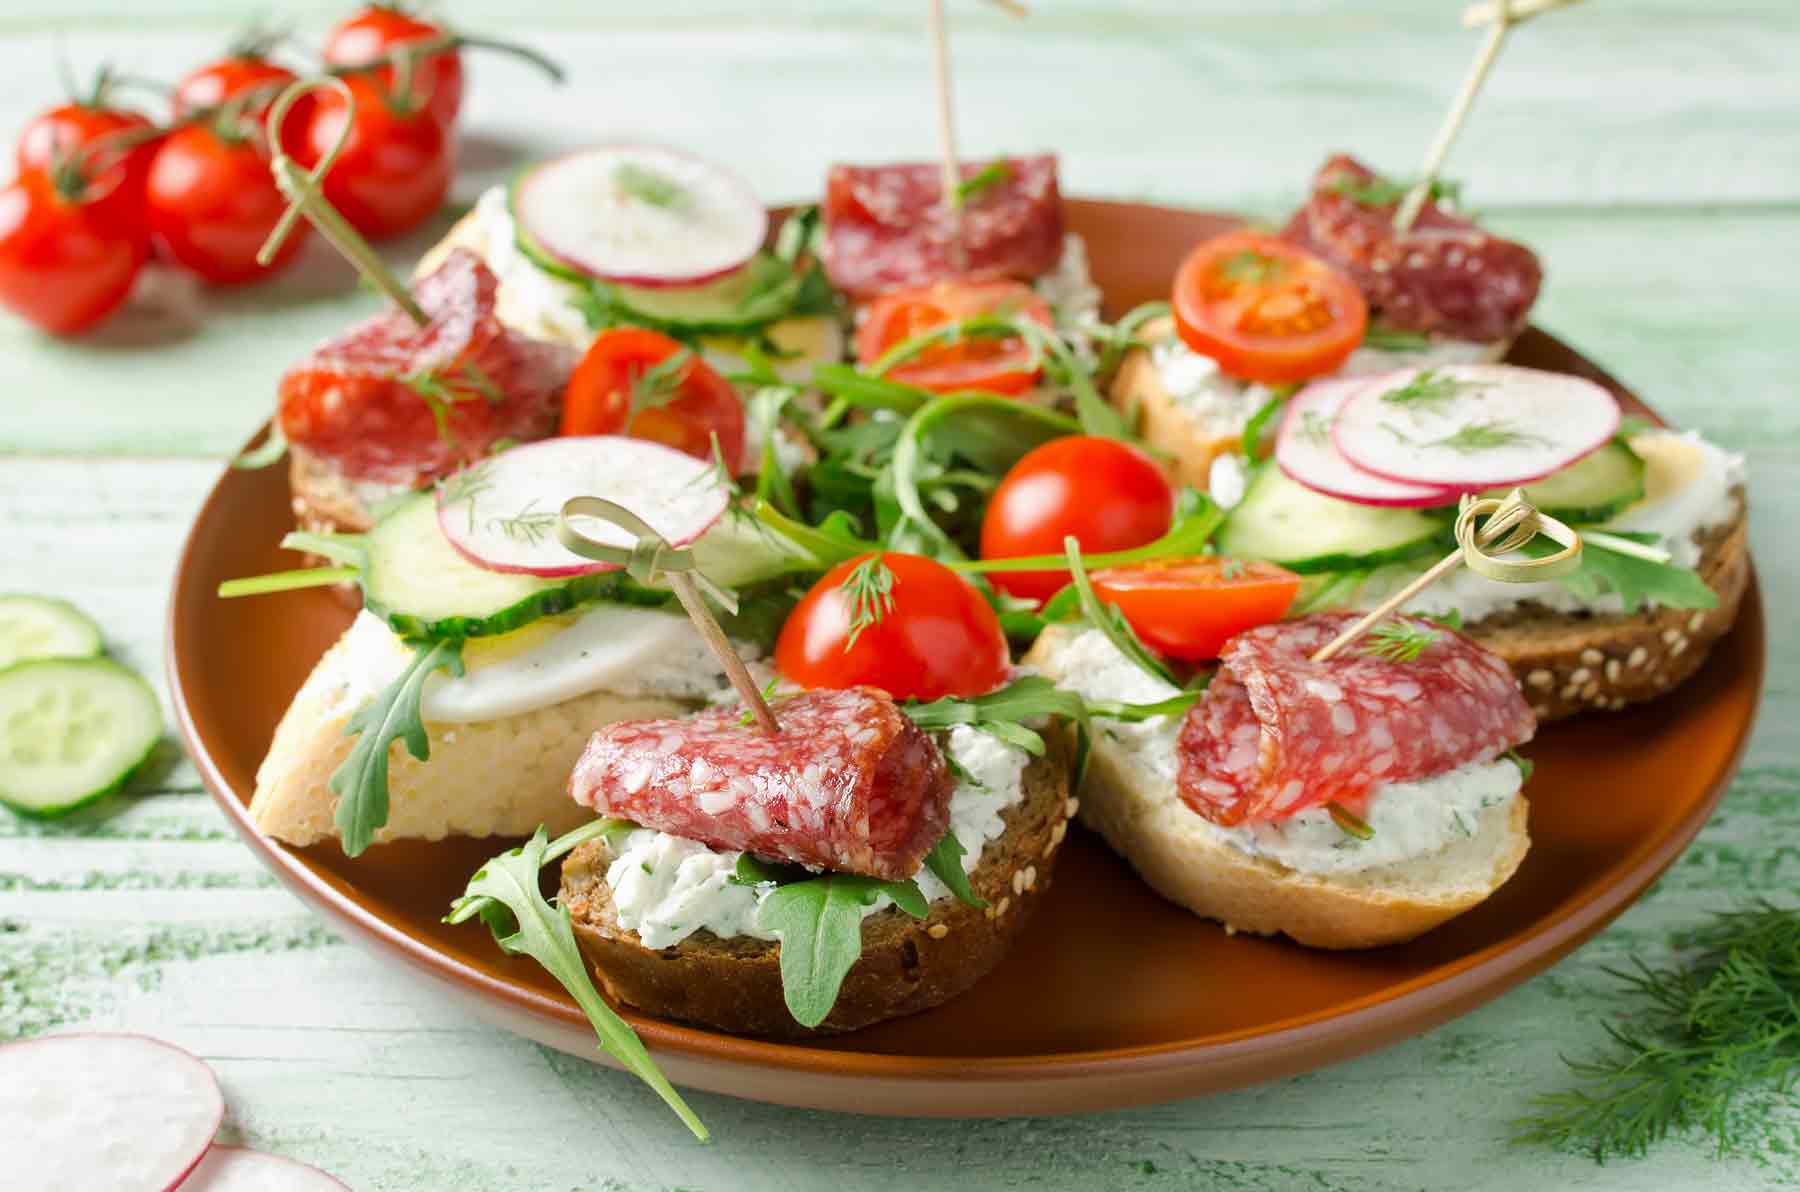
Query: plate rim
pixel 1034 1084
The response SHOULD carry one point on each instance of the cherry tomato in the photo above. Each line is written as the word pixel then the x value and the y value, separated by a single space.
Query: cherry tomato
pixel 395 167
pixel 211 203
pixel 371 32
pixel 68 258
pixel 1267 310
pixel 53 139
pixel 1189 608
pixel 931 633
pixel 1000 365
pixel 1108 494
pixel 683 409
pixel 227 78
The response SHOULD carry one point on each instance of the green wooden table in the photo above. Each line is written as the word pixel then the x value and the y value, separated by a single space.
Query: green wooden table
pixel 1649 149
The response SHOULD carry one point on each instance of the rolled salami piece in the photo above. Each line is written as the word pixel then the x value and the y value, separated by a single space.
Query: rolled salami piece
pixel 849 784
pixel 1277 733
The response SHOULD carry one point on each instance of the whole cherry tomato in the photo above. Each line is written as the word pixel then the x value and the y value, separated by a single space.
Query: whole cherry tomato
pixel 1189 608
pixel 1267 310
pixel 1108 494
pixel 368 33
pixel 68 252
pixel 227 78
pixel 396 164
pixel 999 364
pixel 77 135
pixel 629 382
pixel 903 623
pixel 211 203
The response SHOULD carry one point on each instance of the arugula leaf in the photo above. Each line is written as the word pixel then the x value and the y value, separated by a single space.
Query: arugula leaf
pixel 754 871
pixel 1002 713
pixel 1392 339
pixel 1133 713
pixel 820 925
pixel 1111 622
pixel 504 893
pixel 271 449
pixel 1637 582
pixel 1268 412
pixel 1121 337
pixel 945 863
pixel 1378 191
pixel 978 184
pixel 361 781
pixel 1188 536
pixel 765 408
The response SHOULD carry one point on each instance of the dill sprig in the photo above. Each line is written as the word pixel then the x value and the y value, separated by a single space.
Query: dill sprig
pixel 648 185
pixel 1722 1026
pixel 1398 640
pixel 1484 436
pixel 659 384
pixel 465 486
pixel 977 184
pixel 1429 389
pixel 1250 267
pixel 870 590
pixel 529 525
pixel 1378 191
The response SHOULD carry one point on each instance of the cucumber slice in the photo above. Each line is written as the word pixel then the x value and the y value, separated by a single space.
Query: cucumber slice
pixel 1285 522
pixel 71 730
pixel 40 627
pixel 1595 488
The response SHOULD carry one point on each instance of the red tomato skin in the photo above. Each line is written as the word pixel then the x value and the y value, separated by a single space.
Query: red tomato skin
pixel 65 265
pixel 55 134
pixel 211 205
pixel 938 638
pixel 395 168
pixel 1187 609
pixel 598 397
pixel 210 85
pixel 1108 494
pixel 372 31
pixel 995 365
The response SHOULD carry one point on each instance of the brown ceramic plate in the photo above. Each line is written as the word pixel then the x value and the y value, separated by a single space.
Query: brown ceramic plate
pixel 1113 997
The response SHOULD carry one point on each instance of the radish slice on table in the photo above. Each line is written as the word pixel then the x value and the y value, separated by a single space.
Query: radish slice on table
pixel 235 1169
pixel 501 513
pixel 1304 450
pixel 1473 426
pixel 105 1111
pixel 640 215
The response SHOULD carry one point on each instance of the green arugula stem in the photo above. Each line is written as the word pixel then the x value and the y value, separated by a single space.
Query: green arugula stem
pixel 1185 538
pixel 286 581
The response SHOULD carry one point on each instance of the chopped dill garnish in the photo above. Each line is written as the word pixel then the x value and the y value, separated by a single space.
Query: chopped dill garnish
pixel 1429 389
pixel 1349 822
pixel 647 185
pixel 978 184
pixel 1398 641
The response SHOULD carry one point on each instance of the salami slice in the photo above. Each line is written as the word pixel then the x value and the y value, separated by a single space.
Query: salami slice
pixel 1277 733
pixel 390 402
pixel 887 227
pixel 849 784
pixel 1443 276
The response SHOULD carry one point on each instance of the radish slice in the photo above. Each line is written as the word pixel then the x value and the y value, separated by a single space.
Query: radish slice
pixel 235 1169
pixel 501 513
pixel 1304 450
pixel 641 215
pixel 105 1111
pixel 1474 426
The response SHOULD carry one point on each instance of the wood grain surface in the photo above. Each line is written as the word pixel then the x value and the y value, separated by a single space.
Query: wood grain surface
pixel 1649 149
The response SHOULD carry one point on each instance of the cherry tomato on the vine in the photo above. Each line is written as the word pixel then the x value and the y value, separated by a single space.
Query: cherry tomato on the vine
pixel 370 32
pixel 1267 310
pixel 396 164
pixel 1000 364
pixel 227 78
pixel 1189 608
pixel 629 383
pixel 211 203
pixel 1108 494
pixel 903 623
pixel 78 135
pixel 68 251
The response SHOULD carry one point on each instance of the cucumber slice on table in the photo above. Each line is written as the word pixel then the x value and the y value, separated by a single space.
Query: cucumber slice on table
pixel 1285 522
pixel 71 730
pixel 39 627
pixel 1595 488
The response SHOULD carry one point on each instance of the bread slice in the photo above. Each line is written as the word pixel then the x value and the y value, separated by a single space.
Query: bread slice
pixel 492 778
pixel 1574 662
pixel 907 964
pixel 1186 860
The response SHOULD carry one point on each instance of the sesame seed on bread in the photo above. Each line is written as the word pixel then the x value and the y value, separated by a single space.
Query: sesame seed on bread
pixel 907 964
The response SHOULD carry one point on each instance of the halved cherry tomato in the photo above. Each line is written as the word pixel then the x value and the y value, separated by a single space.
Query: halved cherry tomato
pixel 997 364
pixel 371 32
pixel 68 257
pixel 211 203
pixel 1189 608
pixel 1267 310
pixel 616 390
pixel 395 167
pixel 1108 494
pixel 54 138
pixel 930 635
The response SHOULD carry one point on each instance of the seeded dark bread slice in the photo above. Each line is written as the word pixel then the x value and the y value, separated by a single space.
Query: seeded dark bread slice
pixel 1577 662
pixel 1186 860
pixel 907 964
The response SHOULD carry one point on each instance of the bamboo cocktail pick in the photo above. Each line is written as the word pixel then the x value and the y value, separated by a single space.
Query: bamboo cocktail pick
pixel 1499 16
pixel 652 558
pixel 1510 524
pixel 946 110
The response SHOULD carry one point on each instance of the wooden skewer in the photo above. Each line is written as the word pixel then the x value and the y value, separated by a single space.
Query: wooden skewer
pixel 1477 15
pixel 689 594
pixel 1459 112
pixel 946 105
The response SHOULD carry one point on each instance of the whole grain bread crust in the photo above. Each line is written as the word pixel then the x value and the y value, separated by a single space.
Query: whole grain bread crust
pixel 907 964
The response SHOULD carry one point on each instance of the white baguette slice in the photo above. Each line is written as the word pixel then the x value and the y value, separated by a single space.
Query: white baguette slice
pixel 492 778
pixel 1186 860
